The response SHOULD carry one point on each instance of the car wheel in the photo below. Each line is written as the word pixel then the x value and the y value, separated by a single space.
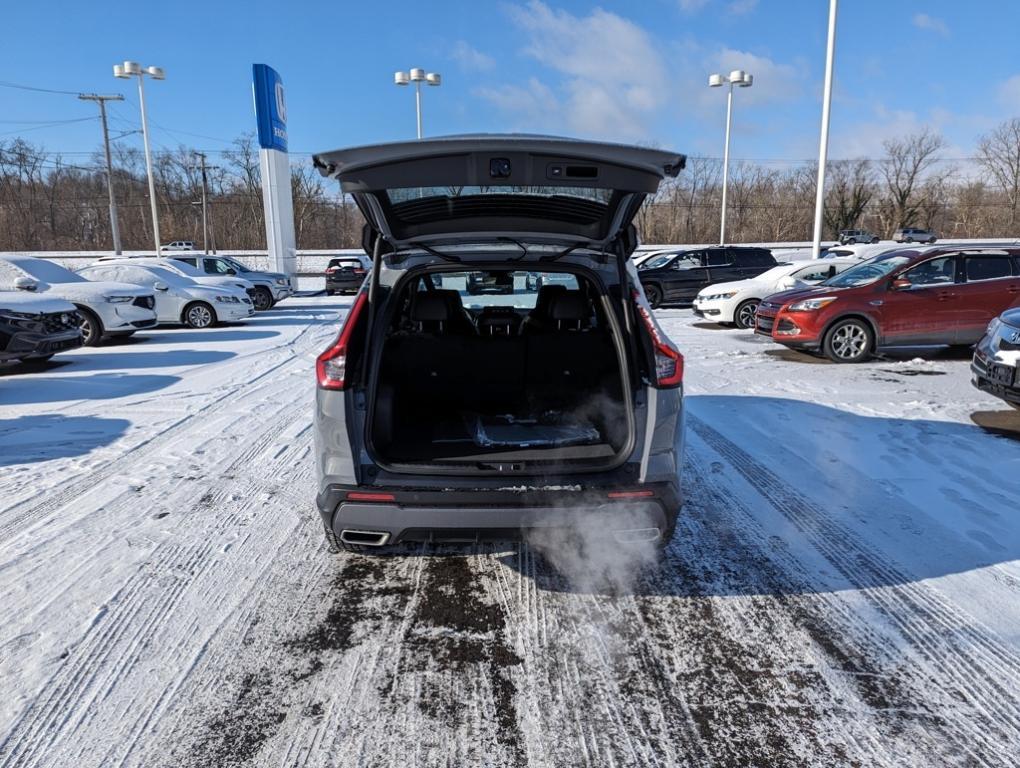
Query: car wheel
pixel 848 341
pixel 91 327
pixel 199 315
pixel 654 295
pixel 852 241
pixel 330 292
pixel 874 240
pixel 262 299
pixel 909 240
pixel 746 313
pixel 932 241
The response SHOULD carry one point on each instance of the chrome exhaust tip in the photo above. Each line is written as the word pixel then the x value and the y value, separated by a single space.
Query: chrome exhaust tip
pixel 364 538
pixel 637 535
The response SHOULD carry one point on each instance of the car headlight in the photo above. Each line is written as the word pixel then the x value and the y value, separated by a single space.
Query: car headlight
pixel 810 305
pixel 719 296
pixel 119 299
pixel 228 299
pixel 281 281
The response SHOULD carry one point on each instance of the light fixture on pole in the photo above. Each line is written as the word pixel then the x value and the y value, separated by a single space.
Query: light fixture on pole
pixel 741 79
pixel 417 76
pixel 125 71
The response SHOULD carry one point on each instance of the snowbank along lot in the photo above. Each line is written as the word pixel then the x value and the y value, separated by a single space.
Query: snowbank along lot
pixel 843 589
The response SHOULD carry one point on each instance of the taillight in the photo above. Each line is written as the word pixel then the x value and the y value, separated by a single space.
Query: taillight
pixel 330 270
pixel 630 494
pixel 331 365
pixel 669 363
pixel 359 271
pixel 362 496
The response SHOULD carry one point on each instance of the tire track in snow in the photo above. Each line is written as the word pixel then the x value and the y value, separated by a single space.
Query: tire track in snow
pixel 983 671
pixel 134 614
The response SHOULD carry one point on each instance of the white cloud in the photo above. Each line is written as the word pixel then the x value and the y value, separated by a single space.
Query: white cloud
pixel 931 23
pixel 1008 94
pixel 614 78
pixel 531 108
pixel 471 58
pixel 741 7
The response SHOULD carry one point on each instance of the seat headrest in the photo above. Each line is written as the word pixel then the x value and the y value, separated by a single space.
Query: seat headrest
pixel 451 297
pixel 569 305
pixel 429 307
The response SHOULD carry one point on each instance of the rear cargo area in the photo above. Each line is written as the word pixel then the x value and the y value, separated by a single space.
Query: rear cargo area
pixel 488 384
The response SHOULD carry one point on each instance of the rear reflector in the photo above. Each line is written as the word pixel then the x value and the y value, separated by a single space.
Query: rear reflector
pixel 331 365
pixel 360 496
pixel 669 363
pixel 630 494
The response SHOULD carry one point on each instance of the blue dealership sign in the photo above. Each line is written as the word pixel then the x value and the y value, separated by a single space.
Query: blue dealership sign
pixel 270 107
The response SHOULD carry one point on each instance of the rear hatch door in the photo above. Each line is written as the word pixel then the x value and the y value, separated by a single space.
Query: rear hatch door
pixel 489 187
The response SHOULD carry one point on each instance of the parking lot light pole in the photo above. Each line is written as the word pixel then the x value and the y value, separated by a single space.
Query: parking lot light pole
pixel 101 100
pixel 741 79
pixel 417 76
pixel 128 70
pixel 823 142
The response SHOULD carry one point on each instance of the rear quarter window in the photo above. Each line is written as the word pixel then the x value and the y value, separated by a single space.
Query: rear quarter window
pixel 988 267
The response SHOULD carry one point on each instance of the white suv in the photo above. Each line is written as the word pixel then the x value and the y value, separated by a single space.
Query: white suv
pixel 179 299
pixel 184 269
pixel 178 245
pixel 108 309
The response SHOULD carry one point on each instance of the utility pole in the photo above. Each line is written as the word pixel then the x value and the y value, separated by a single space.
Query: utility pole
pixel 823 143
pixel 205 195
pixel 101 100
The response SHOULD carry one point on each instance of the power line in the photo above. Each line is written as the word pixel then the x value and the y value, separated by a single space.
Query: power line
pixel 49 125
pixel 4 84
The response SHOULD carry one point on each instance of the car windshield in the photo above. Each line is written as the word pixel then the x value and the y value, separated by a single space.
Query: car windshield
pixel 46 271
pixel 662 260
pixel 236 266
pixel 866 273
pixel 776 272
pixel 479 289
pixel 170 278
pixel 182 268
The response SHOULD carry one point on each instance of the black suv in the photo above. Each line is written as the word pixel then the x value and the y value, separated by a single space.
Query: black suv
pixel 344 274
pixel 31 329
pixel 676 278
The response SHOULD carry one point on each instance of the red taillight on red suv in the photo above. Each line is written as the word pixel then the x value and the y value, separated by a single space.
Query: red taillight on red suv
pixel 331 365
pixel 669 363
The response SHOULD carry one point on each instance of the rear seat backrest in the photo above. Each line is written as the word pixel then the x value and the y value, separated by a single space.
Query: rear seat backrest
pixel 539 319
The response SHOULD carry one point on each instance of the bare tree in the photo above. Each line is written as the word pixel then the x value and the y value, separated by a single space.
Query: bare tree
pixel 850 190
pixel 999 153
pixel 907 161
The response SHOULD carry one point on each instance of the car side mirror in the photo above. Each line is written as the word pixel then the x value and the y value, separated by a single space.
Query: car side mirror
pixel 231 271
pixel 161 286
pixel 787 283
pixel 901 284
pixel 26 284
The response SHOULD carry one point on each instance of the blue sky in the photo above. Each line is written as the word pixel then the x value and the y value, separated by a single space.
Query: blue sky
pixel 631 71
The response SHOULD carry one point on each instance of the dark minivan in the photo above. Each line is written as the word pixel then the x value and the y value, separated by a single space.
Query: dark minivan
pixel 676 278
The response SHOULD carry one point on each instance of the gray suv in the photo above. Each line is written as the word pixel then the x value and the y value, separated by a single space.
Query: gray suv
pixel 269 287
pixel 914 235
pixel 442 415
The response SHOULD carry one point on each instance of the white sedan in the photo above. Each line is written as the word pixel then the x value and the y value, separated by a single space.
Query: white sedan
pixel 737 302
pixel 181 268
pixel 107 308
pixel 179 299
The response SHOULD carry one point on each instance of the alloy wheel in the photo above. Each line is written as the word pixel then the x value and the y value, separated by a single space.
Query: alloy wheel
pixel 747 313
pixel 200 316
pixel 849 341
pixel 263 300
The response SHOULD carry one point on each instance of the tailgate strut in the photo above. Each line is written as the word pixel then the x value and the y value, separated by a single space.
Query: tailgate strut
pixel 373 290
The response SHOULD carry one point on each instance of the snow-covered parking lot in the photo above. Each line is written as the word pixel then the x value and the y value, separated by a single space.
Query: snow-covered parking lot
pixel 843 589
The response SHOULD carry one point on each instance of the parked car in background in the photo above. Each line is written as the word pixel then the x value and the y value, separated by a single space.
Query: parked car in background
pixel 914 235
pixel 345 274
pixel 36 327
pixel 910 297
pixel 107 309
pixel 483 430
pixel 854 236
pixel 185 270
pixel 179 299
pixel 270 287
pixel 490 282
pixel 178 245
pixel 676 278
pixel 736 303
pixel 996 362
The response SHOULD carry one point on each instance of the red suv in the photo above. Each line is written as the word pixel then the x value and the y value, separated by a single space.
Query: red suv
pixel 904 298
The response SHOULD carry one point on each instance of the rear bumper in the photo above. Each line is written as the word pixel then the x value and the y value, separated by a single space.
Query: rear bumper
pixel 345 283
pixel 498 515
